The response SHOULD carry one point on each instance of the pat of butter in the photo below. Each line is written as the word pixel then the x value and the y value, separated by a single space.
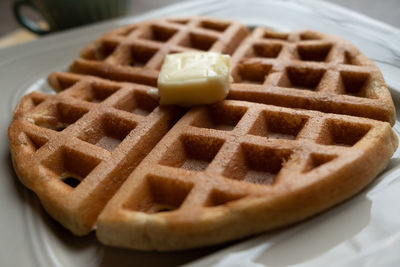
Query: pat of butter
pixel 194 78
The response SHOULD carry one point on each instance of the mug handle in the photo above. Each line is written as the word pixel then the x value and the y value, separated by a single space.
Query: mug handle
pixel 24 21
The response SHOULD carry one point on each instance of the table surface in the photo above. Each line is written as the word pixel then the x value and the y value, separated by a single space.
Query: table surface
pixel 11 33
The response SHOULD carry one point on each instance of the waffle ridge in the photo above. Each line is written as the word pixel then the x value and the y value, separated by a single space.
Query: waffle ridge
pixel 309 70
pixel 306 125
pixel 71 134
pixel 136 53
pixel 302 69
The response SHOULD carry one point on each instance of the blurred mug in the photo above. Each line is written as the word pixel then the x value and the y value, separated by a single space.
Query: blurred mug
pixel 64 14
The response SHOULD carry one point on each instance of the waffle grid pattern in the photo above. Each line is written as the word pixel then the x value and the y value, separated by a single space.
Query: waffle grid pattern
pixel 291 69
pixel 91 128
pixel 135 53
pixel 103 153
pixel 214 158
pixel 302 69
pixel 204 153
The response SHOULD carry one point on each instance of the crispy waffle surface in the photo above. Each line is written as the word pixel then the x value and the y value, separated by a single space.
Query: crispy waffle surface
pixel 306 125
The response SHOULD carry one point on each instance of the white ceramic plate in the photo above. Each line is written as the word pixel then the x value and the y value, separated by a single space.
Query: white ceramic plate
pixel 362 231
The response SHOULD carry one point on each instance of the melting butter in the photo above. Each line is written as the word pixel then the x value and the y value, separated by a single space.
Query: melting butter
pixel 194 78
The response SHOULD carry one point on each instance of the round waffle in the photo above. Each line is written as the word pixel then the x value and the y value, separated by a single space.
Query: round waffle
pixel 306 125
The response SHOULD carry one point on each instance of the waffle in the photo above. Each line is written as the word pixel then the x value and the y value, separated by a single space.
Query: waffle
pixel 93 134
pixel 268 67
pixel 307 124
pixel 135 53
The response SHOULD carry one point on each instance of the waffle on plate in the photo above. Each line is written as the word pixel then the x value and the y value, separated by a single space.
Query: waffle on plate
pixel 306 125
